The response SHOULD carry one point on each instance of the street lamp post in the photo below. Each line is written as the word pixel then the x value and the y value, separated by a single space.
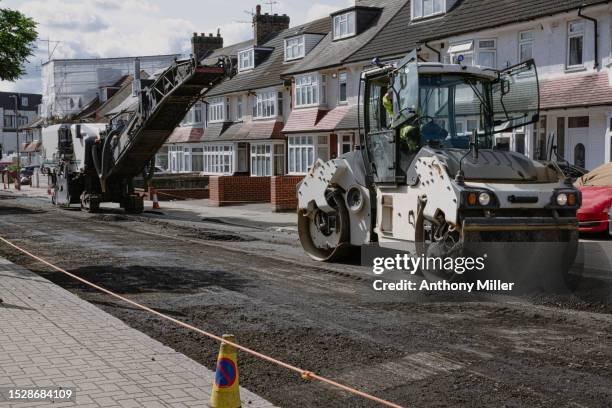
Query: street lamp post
pixel 18 179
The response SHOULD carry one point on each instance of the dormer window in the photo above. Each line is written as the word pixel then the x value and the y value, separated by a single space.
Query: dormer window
pixel 295 48
pixel 344 25
pixel 246 60
pixel 427 8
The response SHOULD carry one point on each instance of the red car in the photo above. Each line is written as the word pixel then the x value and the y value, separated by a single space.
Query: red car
pixel 595 215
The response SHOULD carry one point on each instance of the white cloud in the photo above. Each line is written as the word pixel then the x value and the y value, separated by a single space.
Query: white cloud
pixel 114 28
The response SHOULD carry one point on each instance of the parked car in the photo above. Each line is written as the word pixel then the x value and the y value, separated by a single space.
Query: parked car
pixel 595 215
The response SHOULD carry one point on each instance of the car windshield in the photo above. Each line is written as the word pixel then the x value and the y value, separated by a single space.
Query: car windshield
pixel 451 107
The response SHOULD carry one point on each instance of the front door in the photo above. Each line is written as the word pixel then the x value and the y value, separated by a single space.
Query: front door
pixel 577 150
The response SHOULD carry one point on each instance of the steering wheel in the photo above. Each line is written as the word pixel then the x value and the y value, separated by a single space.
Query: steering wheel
pixel 426 119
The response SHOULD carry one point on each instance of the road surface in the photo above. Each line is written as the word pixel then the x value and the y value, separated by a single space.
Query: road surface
pixel 426 350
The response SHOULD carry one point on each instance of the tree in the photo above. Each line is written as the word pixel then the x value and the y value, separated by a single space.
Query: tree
pixel 17 36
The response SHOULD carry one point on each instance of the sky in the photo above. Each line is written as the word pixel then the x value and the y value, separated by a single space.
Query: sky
pixel 118 28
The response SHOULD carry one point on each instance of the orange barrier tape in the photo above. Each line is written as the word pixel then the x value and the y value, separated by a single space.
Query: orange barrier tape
pixel 307 375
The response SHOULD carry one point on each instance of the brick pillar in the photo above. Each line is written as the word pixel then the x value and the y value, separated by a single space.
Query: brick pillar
pixel 284 193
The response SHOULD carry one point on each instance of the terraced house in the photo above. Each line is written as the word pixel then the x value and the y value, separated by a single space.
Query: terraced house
pixel 296 95
pixel 571 42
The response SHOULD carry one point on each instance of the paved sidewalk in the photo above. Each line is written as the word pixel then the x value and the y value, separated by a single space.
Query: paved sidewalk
pixel 251 215
pixel 50 337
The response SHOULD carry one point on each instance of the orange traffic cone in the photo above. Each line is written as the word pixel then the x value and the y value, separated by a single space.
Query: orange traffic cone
pixel 153 195
pixel 226 390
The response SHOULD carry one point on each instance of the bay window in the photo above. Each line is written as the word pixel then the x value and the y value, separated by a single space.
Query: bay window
pixel 264 105
pixel 216 110
pixel 344 25
pixel 304 150
pixel 267 159
pixel 294 48
pixel 310 90
pixel 246 60
pixel 218 159
pixel 301 154
pixel 261 160
pixel 575 44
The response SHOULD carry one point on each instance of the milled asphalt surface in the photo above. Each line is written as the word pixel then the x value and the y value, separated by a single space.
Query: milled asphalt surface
pixel 255 282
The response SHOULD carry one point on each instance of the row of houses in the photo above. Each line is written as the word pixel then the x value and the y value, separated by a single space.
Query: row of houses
pixel 296 94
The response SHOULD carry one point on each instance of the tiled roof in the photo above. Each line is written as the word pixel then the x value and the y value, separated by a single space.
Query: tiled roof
pixel 253 130
pixel 214 130
pixel 315 120
pixel 187 134
pixel 268 72
pixel 401 35
pixel 575 91
pixel 331 53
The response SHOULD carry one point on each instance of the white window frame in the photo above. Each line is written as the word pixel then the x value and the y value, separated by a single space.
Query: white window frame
pixel 266 157
pixel 487 50
pixel 295 48
pixel 465 48
pixel 218 159
pixel 216 110
pixel 419 8
pixel 246 60
pixel 24 101
pixel 265 105
pixel 239 109
pixel 342 81
pixel 301 153
pixel 345 25
pixel 310 90
pixel 526 41
pixel 570 36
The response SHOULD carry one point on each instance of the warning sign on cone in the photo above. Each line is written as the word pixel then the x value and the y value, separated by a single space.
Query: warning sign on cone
pixel 226 389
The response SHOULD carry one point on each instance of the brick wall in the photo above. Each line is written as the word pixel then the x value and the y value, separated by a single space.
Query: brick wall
pixel 284 192
pixel 227 190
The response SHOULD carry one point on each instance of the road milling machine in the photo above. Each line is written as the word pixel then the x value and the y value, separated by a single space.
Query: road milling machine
pixel 429 178
pixel 89 164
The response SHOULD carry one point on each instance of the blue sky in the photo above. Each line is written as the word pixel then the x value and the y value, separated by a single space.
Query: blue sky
pixel 114 28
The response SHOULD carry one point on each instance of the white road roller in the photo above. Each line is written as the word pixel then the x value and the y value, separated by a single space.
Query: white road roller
pixel 429 176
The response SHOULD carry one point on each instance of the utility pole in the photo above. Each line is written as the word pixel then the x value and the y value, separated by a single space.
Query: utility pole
pixel 18 178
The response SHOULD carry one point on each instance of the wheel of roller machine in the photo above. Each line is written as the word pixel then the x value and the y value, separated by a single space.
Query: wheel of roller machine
pixel 90 203
pixel 133 204
pixel 436 239
pixel 326 236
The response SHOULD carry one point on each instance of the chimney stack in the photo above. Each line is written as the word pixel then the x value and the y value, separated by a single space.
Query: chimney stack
pixel 264 25
pixel 203 45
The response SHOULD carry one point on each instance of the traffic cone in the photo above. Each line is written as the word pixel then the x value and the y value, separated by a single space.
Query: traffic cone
pixel 226 390
pixel 48 189
pixel 153 194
